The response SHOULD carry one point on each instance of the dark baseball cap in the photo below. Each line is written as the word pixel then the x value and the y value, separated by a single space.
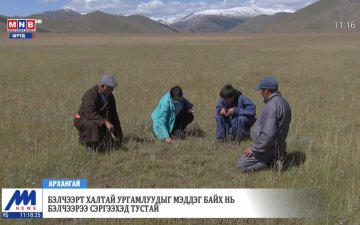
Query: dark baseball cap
pixel 267 83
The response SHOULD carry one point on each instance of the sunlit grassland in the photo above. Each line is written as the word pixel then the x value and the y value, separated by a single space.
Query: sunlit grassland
pixel 42 82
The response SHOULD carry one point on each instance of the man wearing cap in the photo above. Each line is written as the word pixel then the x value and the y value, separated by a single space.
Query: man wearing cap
pixel 269 131
pixel 98 116
pixel 235 114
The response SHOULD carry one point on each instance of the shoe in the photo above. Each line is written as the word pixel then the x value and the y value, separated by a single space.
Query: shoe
pixel 90 148
pixel 179 134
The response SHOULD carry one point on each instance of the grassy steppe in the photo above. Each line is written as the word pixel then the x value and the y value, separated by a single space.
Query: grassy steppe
pixel 42 82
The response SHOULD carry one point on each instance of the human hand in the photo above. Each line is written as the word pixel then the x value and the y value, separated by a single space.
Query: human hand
pixel 230 112
pixel 109 126
pixel 223 111
pixel 168 140
pixel 248 152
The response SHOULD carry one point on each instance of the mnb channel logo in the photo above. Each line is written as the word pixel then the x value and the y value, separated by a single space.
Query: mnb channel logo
pixel 22 28
pixel 21 203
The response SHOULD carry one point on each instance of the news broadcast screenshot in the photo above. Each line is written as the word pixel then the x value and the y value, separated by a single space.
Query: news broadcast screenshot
pixel 180 112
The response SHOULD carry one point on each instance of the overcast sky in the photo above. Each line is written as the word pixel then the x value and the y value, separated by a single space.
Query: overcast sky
pixel 150 8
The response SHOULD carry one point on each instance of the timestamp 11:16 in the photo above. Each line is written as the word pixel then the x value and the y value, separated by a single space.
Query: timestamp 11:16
pixel 344 25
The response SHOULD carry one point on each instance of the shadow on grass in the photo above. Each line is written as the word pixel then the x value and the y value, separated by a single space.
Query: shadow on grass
pixel 137 139
pixel 195 132
pixel 294 159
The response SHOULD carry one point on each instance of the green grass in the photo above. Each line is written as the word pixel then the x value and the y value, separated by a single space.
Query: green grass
pixel 42 82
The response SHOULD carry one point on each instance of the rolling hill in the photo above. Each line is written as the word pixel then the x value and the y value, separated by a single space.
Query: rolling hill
pixel 57 14
pixel 318 17
pixel 3 23
pixel 100 22
pixel 68 21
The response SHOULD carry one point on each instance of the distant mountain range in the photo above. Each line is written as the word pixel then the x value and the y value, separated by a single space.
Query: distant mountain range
pixel 318 17
pixel 100 22
pixel 69 21
pixel 210 21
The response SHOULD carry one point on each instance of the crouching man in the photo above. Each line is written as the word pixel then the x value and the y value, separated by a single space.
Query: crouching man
pixel 235 114
pixel 269 131
pixel 97 120
pixel 172 115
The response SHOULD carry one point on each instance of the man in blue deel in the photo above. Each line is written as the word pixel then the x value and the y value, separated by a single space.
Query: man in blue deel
pixel 235 114
pixel 172 115
pixel 269 132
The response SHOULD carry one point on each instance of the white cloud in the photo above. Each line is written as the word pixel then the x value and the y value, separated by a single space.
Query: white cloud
pixel 282 4
pixel 109 6
pixel 173 8
pixel 170 8
pixel 151 5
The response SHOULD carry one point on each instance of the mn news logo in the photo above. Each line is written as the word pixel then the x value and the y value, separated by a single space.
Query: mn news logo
pixel 21 203
pixel 22 28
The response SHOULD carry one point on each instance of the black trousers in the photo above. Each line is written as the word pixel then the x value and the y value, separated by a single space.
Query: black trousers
pixel 183 120
pixel 92 135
